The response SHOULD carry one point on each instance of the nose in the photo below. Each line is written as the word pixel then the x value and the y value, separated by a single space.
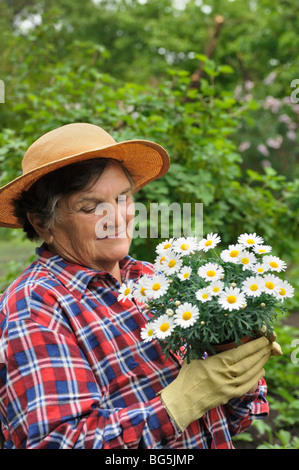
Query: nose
pixel 112 220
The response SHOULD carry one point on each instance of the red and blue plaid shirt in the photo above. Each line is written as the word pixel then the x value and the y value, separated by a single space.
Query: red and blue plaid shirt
pixel 74 372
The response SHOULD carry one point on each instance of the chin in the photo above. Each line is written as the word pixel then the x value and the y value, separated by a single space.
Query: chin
pixel 117 248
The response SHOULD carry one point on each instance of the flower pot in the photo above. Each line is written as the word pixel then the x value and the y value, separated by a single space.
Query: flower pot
pixel 218 348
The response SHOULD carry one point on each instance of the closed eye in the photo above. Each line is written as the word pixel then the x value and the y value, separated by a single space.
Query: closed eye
pixel 87 210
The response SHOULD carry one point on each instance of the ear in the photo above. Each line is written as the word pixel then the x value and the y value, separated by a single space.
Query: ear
pixel 43 233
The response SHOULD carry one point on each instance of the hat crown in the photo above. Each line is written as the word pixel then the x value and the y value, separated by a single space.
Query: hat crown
pixel 66 141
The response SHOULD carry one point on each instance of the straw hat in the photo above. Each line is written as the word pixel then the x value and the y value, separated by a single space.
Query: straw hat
pixel 77 142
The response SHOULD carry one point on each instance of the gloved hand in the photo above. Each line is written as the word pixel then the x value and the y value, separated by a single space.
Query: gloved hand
pixel 204 384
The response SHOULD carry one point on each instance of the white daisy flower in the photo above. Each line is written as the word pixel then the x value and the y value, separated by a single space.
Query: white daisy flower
pixel 163 326
pixel 262 249
pixel 274 263
pixel 163 246
pixel 231 298
pixel 231 254
pixel 147 332
pixel 204 294
pixel 172 263
pixel 185 273
pixel 252 286
pixel 285 291
pixel 140 289
pixel 211 240
pixel 271 284
pixel 185 246
pixel 126 291
pixel 216 287
pixel 186 315
pixel 259 268
pixel 210 271
pixel 156 286
pixel 250 239
pixel 247 259
pixel 159 260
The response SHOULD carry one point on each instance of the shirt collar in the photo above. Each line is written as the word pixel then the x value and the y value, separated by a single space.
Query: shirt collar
pixel 76 277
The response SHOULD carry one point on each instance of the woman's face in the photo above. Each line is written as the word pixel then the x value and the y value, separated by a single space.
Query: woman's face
pixel 94 226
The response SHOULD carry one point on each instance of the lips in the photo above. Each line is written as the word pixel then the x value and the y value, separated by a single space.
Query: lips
pixel 113 236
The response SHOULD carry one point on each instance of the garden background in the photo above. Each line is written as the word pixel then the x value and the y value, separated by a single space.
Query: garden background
pixel 216 82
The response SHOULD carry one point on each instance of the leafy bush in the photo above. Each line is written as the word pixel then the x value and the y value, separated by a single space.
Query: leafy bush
pixel 199 126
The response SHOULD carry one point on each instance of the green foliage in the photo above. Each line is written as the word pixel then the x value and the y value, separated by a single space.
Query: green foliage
pixel 140 40
pixel 130 67
pixel 280 431
pixel 286 441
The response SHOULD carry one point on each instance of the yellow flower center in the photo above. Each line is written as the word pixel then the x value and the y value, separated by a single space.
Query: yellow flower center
pixel 245 260
pixel 172 263
pixel 205 296
pixel 150 332
pixel 211 273
pixel 250 241
pixel 168 245
pixel 269 285
pixel 208 243
pixel 261 250
pixel 164 327
pixel 282 291
pixel 156 286
pixel 162 259
pixel 142 291
pixel 234 253
pixel 216 289
pixel 273 264
pixel 253 287
pixel 260 270
pixel 186 275
pixel 184 246
pixel 127 291
pixel 231 299
pixel 186 316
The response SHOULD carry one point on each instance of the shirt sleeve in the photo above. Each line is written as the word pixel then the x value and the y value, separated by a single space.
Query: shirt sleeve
pixel 51 396
pixel 242 411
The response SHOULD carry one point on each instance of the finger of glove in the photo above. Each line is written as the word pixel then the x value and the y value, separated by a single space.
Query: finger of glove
pixel 271 335
pixel 244 388
pixel 249 366
pixel 276 349
pixel 215 396
pixel 244 351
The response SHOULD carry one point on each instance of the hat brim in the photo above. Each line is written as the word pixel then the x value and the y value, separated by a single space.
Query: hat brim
pixel 144 160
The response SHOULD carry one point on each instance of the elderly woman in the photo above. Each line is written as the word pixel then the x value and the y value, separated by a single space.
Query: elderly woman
pixel 73 370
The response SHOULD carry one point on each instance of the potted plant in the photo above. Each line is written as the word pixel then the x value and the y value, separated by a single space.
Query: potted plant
pixel 200 297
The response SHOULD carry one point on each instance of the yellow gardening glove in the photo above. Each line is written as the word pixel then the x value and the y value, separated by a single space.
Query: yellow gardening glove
pixel 204 384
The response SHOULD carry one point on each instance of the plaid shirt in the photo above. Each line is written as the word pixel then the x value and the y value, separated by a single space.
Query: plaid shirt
pixel 74 372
